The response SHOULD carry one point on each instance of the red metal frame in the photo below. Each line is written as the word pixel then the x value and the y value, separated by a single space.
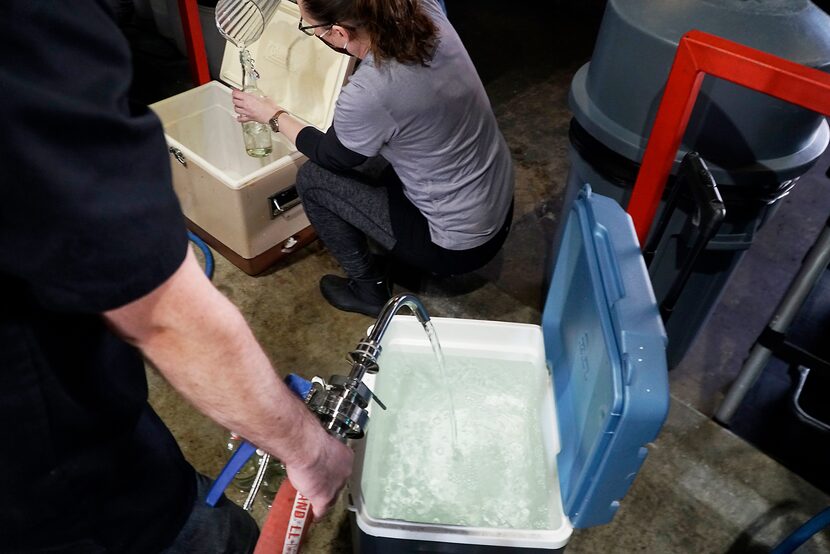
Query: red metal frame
pixel 193 38
pixel 699 54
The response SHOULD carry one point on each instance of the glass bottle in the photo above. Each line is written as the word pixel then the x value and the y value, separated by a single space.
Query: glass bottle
pixel 274 475
pixel 257 135
pixel 245 476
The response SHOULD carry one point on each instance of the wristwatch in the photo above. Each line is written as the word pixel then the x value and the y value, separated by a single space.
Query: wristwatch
pixel 274 121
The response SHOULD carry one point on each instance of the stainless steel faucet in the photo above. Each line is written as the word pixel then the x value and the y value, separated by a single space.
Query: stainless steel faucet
pixel 341 404
pixel 365 355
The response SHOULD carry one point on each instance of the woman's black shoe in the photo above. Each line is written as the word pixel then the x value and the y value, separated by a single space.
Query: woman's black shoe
pixel 363 296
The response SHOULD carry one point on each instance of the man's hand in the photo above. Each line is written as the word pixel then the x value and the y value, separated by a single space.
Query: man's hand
pixel 253 108
pixel 324 473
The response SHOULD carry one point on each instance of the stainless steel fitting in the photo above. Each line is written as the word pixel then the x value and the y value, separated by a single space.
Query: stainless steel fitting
pixel 342 403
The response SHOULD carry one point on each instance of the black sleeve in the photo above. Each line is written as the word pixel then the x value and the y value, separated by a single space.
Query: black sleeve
pixel 327 150
pixel 89 220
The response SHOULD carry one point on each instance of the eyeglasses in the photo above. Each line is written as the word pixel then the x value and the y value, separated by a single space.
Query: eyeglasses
pixel 309 29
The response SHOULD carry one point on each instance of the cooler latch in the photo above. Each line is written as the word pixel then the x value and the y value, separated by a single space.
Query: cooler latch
pixel 283 201
pixel 178 155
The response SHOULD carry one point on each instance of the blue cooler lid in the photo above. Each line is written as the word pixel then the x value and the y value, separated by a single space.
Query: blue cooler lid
pixel 606 346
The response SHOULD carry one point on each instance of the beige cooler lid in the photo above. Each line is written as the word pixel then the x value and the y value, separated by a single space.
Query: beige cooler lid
pixel 299 72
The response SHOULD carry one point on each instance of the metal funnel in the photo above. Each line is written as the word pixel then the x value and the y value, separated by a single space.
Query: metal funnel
pixel 242 22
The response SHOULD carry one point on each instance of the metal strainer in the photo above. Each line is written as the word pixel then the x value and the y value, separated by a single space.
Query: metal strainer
pixel 243 21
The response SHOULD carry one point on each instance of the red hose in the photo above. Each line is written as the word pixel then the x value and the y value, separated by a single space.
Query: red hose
pixel 287 524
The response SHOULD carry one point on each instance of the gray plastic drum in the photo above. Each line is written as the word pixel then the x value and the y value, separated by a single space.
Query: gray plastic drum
pixel 740 133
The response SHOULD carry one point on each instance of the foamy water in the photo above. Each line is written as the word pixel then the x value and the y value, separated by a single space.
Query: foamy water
pixel 495 475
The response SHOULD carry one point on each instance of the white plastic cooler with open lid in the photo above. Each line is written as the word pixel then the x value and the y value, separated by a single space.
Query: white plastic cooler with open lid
pixel 601 351
pixel 247 207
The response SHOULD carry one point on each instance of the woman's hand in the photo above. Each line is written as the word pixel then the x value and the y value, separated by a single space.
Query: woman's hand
pixel 253 108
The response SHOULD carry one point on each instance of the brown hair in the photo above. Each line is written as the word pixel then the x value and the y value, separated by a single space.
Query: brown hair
pixel 397 29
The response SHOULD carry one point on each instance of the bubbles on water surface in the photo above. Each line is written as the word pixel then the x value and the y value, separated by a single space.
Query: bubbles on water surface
pixel 492 476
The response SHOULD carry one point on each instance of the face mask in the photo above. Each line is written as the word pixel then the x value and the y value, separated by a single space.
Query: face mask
pixel 335 48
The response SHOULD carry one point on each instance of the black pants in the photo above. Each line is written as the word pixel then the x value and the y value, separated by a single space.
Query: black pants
pixel 225 528
pixel 346 208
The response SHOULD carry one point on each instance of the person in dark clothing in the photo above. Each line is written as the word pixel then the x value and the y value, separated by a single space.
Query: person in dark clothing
pixel 95 271
pixel 444 204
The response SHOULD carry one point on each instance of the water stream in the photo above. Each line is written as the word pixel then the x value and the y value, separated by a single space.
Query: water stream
pixel 444 378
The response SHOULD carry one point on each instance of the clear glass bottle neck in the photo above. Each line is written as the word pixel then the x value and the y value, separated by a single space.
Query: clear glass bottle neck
pixel 249 73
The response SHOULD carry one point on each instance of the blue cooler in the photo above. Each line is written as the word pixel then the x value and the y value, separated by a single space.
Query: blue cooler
pixel 602 346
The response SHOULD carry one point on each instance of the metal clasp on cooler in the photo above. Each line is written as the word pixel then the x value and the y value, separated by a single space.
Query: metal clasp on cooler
pixel 283 201
pixel 178 155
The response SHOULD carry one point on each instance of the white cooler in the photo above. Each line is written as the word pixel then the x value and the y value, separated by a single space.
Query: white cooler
pixel 600 349
pixel 247 208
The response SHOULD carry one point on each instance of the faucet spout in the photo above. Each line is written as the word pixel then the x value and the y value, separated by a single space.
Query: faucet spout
pixel 365 355
pixel 342 404
pixel 392 307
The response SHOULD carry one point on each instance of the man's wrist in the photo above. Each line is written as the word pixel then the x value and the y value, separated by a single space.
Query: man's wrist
pixel 274 122
pixel 306 430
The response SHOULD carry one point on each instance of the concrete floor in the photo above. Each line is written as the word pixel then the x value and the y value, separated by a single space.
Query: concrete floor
pixel 702 488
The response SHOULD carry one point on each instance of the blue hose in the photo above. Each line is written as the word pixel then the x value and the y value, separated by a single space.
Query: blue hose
pixel 205 250
pixel 803 533
pixel 298 386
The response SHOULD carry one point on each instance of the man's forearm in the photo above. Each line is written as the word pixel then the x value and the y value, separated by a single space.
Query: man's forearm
pixel 201 343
